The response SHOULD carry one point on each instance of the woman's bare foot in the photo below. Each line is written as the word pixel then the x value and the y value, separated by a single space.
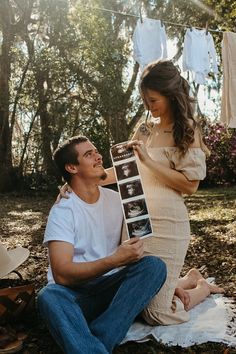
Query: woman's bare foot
pixel 189 281
pixel 184 296
pixel 214 289
pixel 210 288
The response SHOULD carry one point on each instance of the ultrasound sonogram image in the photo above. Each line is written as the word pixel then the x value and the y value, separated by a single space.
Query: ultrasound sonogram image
pixel 126 170
pixel 129 182
pixel 131 189
pixel 139 228
pixel 135 208
pixel 120 152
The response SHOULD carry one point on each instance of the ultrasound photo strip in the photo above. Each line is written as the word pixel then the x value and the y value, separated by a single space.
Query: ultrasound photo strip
pixel 131 192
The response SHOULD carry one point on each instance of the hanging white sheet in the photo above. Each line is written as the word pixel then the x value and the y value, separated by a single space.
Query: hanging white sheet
pixel 228 102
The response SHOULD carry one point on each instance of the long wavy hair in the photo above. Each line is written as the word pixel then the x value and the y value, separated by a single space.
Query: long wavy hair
pixel 164 77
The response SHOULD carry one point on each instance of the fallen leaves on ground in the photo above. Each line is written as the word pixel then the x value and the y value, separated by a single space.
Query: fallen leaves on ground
pixel 212 250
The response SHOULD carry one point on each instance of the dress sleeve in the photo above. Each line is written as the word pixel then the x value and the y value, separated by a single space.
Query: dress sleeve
pixel 192 165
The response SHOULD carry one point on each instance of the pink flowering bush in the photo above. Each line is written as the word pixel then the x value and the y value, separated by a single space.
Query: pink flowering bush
pixel 221 164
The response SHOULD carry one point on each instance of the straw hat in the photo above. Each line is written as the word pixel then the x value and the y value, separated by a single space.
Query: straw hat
pixel 10 260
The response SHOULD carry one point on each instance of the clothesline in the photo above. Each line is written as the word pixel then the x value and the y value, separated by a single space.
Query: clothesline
pixel 133 15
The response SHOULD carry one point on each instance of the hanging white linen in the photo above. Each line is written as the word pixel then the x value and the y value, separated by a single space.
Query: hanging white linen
pixel 228 102
pixel 199 54
pixel 149 41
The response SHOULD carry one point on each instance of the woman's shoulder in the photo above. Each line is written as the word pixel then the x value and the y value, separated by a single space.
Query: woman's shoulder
pixel 144 129
pixel 142 132
pixel 147 128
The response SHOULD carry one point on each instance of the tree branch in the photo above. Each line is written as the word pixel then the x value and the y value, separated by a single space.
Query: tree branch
pixel 130 88
pixel 136 118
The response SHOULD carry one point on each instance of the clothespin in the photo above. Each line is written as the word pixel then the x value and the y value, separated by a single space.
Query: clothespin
pixel 191 28
pixel 206 28
pixel 162 23
pixel 140 13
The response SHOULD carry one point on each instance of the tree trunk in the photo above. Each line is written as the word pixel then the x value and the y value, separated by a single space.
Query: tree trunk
pixel 119 128
pixel 6 168
pixel 46 133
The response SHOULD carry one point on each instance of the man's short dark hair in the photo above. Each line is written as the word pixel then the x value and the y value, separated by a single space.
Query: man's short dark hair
pixel 65 153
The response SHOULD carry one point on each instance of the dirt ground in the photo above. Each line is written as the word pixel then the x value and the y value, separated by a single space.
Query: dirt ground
pixel 213 223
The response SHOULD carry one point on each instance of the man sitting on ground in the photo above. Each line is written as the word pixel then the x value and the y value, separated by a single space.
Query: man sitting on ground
pixel 96 287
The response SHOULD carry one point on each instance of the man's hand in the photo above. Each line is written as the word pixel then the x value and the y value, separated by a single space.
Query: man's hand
pixel 69 273
pixel 128 252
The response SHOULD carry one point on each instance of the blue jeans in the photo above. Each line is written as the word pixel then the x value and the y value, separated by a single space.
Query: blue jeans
pixel 94 317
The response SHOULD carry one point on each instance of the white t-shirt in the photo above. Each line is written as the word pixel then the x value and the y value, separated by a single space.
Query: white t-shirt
pixel 199 54
pixel 149 41
pixel 93 229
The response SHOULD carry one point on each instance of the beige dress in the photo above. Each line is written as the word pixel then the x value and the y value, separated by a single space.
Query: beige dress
pixel 171 229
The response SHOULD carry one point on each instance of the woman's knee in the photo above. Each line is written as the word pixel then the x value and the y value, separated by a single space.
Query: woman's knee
pixel 155 316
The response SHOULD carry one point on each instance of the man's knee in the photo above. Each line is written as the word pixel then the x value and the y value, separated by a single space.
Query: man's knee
pixel 155 265
pixel 48 296
pixel 47 292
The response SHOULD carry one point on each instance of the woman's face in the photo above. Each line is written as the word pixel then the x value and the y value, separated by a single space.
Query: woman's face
pixel 158 104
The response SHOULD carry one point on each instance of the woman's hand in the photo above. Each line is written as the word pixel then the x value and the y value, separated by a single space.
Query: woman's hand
pixel 63 192
pixel 140 148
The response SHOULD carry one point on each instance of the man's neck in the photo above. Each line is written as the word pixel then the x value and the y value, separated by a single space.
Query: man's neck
pixel 88 192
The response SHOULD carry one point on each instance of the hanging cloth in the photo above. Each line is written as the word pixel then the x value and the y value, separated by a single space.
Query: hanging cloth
pixel 149 41
pixel 199 54
pixel 228 102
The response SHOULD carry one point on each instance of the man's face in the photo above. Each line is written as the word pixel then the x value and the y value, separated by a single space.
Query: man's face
pixel 90 162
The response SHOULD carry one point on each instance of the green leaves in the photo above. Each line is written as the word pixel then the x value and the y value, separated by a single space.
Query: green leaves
pixel 70 69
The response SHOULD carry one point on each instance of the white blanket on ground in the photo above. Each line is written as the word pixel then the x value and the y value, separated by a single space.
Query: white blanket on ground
pixel 211 321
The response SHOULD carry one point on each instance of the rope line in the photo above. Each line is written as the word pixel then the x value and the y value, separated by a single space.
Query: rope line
pixel 137 16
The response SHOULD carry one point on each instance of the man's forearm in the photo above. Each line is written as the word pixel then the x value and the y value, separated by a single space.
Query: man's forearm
pixel 69 273
pixel 72 273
